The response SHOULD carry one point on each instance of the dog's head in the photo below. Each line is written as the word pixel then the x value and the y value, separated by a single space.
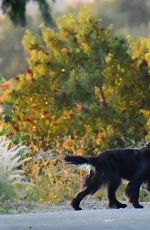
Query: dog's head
pixel 148 146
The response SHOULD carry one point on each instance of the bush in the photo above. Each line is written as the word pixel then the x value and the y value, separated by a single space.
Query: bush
pixel 53 181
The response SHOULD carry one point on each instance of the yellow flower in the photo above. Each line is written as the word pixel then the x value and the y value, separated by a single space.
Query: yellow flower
pixel 29 188
pixel 41 70
pixel 109 58
pixel 86 48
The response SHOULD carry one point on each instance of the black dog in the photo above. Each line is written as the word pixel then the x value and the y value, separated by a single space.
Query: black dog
pixel 109 167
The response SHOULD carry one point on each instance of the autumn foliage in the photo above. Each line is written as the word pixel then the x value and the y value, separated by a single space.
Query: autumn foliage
pixel 86 89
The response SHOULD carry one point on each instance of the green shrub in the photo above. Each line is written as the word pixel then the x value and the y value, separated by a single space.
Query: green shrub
pixel 54 181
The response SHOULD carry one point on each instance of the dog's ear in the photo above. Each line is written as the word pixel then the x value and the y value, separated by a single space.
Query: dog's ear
pixel 148 146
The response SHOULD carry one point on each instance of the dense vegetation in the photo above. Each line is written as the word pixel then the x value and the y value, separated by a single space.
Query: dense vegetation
pixel 86 89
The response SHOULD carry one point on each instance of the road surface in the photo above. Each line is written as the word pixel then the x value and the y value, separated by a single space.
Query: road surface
pixel 103 219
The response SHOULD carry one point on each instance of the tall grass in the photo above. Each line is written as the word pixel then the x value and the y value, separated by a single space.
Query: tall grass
pixel 12 176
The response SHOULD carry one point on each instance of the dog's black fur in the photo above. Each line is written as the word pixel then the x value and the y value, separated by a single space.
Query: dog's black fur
pixel 109 167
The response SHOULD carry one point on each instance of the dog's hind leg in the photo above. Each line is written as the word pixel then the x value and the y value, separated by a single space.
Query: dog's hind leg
pixel 133 187
pixel 112 188
pixel 75 203
pixel 92 183
pixel 132 191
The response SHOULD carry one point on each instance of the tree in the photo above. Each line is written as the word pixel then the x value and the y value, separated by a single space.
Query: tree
pixel 16 10
pixel 83 91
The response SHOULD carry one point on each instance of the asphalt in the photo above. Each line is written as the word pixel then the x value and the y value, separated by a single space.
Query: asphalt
pixel 103 219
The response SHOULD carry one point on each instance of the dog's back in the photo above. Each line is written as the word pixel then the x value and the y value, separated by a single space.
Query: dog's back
pixel 126 161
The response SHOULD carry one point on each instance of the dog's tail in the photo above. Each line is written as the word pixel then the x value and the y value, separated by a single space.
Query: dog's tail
pixel 80 160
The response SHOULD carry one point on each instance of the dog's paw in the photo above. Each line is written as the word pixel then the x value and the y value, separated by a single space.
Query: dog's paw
pixel 78 209
pixel 122 205
pixel 75 205
pixel 117 205
pixel 137 206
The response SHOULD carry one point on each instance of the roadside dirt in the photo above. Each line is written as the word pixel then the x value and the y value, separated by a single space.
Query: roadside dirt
pixel 88 204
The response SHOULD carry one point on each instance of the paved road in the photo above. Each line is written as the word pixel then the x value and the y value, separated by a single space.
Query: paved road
pixel 104 219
